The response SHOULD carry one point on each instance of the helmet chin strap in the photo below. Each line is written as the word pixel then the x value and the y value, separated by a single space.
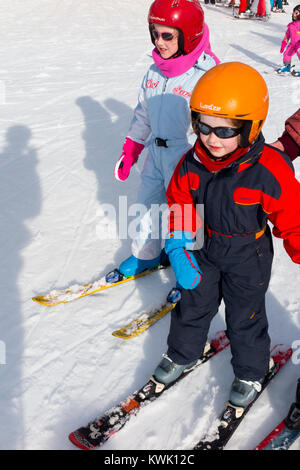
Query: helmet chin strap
pixel 177 54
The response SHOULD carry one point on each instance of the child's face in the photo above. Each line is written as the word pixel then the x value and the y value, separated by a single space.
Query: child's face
pixel 296 15
pixel 166 48
pixel 218 147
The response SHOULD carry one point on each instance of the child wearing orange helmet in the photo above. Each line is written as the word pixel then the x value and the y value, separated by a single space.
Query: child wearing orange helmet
pixel 242 184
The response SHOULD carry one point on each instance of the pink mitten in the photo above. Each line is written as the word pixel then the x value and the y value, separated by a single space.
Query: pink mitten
pixel 283 46
pixel 130 155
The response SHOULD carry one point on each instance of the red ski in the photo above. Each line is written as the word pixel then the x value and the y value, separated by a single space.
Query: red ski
pixel 97 432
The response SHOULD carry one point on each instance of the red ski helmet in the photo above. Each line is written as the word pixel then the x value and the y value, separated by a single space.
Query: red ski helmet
pixel 185 15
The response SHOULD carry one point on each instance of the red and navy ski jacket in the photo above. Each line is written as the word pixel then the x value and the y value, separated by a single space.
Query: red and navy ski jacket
pixel 240 198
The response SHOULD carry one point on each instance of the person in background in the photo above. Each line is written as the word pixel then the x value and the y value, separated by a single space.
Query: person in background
pixel 289 142
pixel 260 9
pixel 291 44
pixel 276 6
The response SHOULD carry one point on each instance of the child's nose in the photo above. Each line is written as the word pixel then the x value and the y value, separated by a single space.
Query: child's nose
pixel 160 40
pixel 212 138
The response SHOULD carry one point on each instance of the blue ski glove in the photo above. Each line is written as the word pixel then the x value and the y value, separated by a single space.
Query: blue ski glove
pixel 183 262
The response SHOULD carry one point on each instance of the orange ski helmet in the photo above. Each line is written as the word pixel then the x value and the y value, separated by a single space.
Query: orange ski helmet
pixel 233 90
pixel 185 15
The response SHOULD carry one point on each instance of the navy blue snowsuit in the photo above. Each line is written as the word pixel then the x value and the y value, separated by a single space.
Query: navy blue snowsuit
pixel 237 255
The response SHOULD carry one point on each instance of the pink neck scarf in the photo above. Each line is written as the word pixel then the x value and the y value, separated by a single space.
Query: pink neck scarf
pixel 181 64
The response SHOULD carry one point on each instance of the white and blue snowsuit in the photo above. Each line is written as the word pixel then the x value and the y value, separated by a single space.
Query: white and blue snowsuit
pixel 161 121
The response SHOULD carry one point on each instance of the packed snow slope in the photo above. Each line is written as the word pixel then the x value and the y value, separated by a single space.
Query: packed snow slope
pixel 70 71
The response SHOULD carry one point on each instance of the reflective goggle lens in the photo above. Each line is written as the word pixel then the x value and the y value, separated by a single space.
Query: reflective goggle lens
pixel 221 132
pixel 165 36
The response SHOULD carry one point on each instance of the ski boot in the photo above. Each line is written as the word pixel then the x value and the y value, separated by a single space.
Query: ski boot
pixel 292 421
pixel 243 392
pixel 133 265
pixel 284 70
pixel 168 371
pixel 295 73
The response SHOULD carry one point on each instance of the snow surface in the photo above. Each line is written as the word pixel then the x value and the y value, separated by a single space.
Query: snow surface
pixel 69 77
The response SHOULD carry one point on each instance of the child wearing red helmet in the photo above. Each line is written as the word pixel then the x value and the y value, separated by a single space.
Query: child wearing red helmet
pixel 161 118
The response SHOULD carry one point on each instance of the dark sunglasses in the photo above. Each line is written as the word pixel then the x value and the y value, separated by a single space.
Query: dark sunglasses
pixel 221 132
pixel 165 36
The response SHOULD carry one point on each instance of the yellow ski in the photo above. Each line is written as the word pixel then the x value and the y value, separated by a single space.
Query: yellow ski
pixel 56 297
pixel 143 322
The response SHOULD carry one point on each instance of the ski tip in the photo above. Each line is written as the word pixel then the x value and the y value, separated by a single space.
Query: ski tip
pixel 78 440
pixel 219 341
pixel 273 434
pixel 141 324
pixel 281 353
pixel 123 333
pixel 42 300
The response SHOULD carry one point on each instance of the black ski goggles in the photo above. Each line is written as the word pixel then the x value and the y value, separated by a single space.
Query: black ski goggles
pixel 165 36
pixel 221 132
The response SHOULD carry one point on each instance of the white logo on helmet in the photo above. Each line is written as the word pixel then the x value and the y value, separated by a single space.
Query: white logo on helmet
pixel 211 107
pixel 157 18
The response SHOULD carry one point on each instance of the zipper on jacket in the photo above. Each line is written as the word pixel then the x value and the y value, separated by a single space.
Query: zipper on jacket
pixel 163 91
pixel 165 85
